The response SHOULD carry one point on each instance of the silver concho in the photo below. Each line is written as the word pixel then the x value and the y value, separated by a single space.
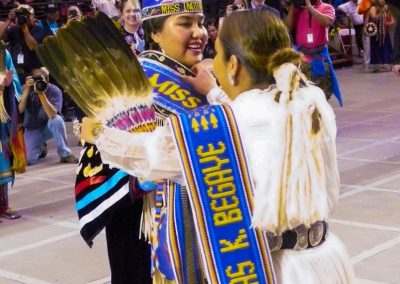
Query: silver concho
pixel 302 237
pixel 316 233
pixel 274 242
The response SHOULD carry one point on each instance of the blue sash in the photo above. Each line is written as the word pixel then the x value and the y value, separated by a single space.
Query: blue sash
pixel 99 191
pixel 170 92
pixel 221 198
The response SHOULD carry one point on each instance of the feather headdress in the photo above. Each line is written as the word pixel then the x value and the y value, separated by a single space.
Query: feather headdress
pixel 95 66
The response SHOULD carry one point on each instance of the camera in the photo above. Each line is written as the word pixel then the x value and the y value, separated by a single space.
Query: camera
pixel 20 18
pixel 40 83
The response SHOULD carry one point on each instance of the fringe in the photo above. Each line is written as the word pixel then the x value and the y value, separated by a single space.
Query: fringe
pixel 17 146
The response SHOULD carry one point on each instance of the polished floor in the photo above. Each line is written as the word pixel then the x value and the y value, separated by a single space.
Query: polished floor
pixel 44 246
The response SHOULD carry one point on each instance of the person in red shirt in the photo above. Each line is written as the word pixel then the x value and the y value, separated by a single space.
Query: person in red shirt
pixel 309 25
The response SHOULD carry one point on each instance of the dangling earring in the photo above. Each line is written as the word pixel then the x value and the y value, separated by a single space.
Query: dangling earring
pixel 231 79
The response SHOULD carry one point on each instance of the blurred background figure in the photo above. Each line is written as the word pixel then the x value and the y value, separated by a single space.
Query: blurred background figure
pixel 74 13
pixel 234 5
pixel 12 152
pixel 23 35
pixel 357 20
pixel 131 26
pixel 212 31
pixel 273 6
pixel 50 24
pixel 381 44
pixel 108 7
pixel 310 24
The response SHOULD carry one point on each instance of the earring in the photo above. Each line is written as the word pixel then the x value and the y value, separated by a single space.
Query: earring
pixel 231 79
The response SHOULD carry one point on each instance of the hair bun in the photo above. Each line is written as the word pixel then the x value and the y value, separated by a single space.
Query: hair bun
pixel 282 56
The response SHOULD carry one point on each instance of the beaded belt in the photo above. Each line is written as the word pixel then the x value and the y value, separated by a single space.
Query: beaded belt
pixel 299 238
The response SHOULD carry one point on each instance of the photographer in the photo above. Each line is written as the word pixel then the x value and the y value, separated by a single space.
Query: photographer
pixel 309 22
pixel 23 39
pixel 41 104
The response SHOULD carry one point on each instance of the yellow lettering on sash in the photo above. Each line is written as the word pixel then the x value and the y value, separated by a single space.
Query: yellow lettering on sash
pixel 244 273
pixel 211 150
pixel 217 164
pixel 218 177
pixel 221 190
pixel 239 243
pixel 171 90
pixel 227 217
pixel 161 87
pixel 180 95
pixel 225 205
pixel 190 102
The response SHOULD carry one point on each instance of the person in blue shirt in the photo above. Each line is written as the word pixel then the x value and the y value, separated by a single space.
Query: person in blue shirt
pixel 50 25
pixel 41 104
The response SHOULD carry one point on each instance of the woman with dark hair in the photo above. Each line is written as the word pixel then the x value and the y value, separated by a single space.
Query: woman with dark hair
pixel 262 169
pixel 212 30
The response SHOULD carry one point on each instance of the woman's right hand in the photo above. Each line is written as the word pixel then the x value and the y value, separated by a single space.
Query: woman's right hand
pixel 204 81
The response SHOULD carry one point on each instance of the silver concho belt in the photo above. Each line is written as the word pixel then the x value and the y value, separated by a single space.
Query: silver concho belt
pixel 299 238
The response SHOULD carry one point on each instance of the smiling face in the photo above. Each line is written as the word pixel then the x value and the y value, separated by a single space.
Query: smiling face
pixel 130 14
pixel 183 38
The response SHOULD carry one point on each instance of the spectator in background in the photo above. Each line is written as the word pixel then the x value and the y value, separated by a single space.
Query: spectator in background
pixel 310 26
pixel 131 26
pixel 41 105
pixel 350 9
pixel 381 44
pixel 214 9
pixel 394 7
pixel 212 31
pixel 74 13
pixel 363 9
pixel 50 25
pixel 108 7
pixel 12 154
pixel 23 39
pixel 260 4
pixel 234 5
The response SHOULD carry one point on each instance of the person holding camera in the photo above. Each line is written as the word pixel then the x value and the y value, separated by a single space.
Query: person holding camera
pixel 309 22
pixel 74 13
pixel 23 39
pixel 41 104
